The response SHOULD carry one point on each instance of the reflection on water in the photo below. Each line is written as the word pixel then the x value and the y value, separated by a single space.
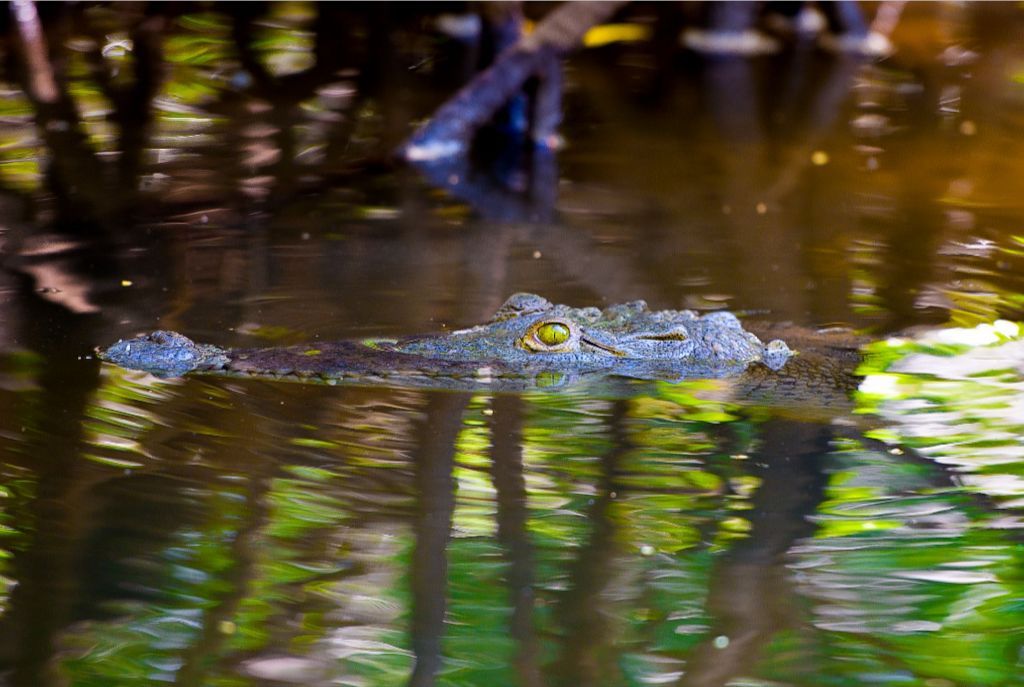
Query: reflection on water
pixel 259 532
pixel 223 175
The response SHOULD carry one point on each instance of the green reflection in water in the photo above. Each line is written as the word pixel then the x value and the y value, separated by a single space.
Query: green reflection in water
pixel 901 589
pixel 635 529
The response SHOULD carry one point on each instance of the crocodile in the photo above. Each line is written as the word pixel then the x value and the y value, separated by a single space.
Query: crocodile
pixel 528 343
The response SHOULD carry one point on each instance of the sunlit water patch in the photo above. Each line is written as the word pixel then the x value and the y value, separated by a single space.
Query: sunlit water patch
pixel 957 396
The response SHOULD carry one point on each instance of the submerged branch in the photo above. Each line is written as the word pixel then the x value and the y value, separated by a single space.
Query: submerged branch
pixel 452 127
pixel 40 73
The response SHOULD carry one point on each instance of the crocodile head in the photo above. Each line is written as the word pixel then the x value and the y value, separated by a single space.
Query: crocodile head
pixel 629 337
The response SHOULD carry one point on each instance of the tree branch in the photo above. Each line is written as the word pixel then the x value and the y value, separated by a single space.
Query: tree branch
pixel 451 129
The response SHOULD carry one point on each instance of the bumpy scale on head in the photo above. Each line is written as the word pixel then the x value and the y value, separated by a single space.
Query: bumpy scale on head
pixel 775 354
pixel 520 304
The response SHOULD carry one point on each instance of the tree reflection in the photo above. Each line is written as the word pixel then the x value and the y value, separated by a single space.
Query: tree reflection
pixel 512 520
pixel 435 505
pixel 750 597
pixel 52 498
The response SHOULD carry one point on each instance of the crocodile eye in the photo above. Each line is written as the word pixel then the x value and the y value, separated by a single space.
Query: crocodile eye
pixel 552 333
pixel 550 336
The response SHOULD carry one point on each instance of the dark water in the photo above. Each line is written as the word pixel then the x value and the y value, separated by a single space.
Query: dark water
pixel 243 532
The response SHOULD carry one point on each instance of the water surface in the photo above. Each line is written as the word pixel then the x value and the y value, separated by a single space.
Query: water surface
pixel 244 532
